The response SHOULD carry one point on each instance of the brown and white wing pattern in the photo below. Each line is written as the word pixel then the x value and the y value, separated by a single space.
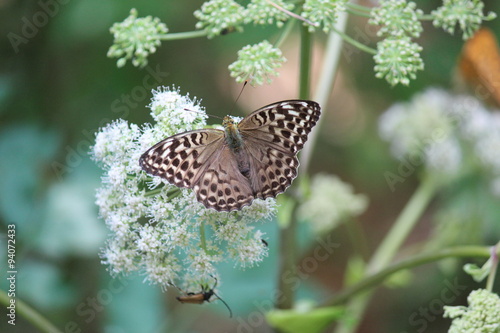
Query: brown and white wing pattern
pixel 284 125
pixel 272 137
pixel 257 161
pixel 222 186
pixel 182 159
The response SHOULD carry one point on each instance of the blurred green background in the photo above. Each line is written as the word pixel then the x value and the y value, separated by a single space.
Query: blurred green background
pixel 57 87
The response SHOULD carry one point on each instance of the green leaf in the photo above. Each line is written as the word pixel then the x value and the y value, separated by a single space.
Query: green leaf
pixel 478 273
pixel 314 321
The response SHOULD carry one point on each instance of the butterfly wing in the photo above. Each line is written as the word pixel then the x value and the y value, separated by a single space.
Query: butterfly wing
pixel 272 136
pixel 200 160
pixel 222 186
pixel 182 159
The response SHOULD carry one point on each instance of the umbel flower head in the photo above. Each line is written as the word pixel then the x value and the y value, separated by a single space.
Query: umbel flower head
pixel 330 202
pixel 468 14
pixel 481 316
pixel 445 133
pixel 157 228
pixel 215 16
pixel 257 63
pixel 262 12
pixel 135 39
pixel 397 18
pixel 323 12
pixel 398 60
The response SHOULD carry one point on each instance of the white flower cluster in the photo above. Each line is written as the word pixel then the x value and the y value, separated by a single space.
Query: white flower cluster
pixel 323 12
pixel 467 14
pixel 261 12
pixel 217 16
pixel 331 201
pixel 397 18
pixel 136 38
pixel 445 132
pixel 157 228
pixel 482 315
pixel 257 63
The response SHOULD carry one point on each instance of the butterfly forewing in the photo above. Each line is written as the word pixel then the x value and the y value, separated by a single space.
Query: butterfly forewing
pixel 273 135
pixel 182 159
pixel 284 125
pixel 227 177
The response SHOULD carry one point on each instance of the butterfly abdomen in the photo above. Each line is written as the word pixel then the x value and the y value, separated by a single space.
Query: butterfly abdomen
pixel 235 143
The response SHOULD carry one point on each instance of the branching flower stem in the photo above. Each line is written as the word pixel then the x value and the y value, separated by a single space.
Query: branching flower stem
pixel 495 254
pixel 416 261
pixel 403 225
pixel 355 43
pixel 184 35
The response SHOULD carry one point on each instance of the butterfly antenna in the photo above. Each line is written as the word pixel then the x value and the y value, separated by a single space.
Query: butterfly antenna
pixel 211 115
pixel 237 98
pixel 292 14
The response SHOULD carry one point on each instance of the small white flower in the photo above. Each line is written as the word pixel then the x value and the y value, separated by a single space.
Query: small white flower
pixel 161 269
pixel 444 156
pixel 120 256
pixel 175 113
pixel 331 201
pixel 250 251
pixel 411 126
pixel 488 148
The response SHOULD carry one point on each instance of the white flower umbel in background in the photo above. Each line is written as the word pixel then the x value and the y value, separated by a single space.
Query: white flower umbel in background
pixel 156 228
pixel 444 133
pixel 331 201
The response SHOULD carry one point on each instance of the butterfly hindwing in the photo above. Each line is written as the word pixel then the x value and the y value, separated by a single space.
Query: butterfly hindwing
pixel 222 186
pixel 271 170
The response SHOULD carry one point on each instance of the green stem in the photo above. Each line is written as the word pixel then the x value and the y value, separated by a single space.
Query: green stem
pixel 428 17
pixel 495 253
pixel 286 286
pixel 357 7
pixel 183 35
pixel 286 294
pixel 203 239
pixel 355 42
pixel 171 194
pixel 376 279
pixel 357 13
pixel 285 32
pixel 391 244
pixel 30 314
pixel 403 225
pixel 305 62
pixel 325 85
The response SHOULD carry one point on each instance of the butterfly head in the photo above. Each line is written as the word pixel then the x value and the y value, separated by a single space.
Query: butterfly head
pixel 228 122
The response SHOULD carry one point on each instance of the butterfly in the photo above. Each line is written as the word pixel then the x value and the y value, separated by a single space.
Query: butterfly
pixel 227 169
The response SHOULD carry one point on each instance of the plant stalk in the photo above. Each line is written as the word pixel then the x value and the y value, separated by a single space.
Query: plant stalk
pixel 31 315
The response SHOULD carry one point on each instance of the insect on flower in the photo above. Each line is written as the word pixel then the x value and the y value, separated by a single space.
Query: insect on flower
pixel 204 295
pixel 227 169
